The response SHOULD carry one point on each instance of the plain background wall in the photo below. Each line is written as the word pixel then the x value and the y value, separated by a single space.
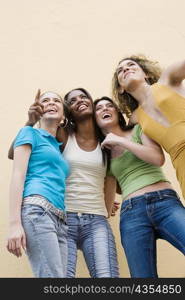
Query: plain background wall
pixel 62 44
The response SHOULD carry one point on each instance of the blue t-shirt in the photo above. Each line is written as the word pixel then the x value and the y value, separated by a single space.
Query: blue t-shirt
pixel 47 169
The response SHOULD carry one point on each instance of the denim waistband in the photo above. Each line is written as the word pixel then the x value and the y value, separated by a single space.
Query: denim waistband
pixel 152 196
pixel 44 203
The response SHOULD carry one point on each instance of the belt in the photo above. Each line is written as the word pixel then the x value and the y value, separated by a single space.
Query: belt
pixel 41 201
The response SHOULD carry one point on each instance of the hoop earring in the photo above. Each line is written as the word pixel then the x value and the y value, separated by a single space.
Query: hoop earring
pixel 72 123
pixel 64 124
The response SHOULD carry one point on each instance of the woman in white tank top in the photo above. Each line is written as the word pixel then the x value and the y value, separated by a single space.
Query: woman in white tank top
pixel 90 193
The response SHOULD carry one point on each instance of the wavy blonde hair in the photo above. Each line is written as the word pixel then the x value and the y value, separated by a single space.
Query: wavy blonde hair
pixel 126 102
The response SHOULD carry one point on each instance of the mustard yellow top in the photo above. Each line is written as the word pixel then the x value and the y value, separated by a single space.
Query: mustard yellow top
pixel 172 137
pixel 172 106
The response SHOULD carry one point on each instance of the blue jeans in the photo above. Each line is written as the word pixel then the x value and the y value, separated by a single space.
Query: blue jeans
pixel 144 219
pixel 91 234
pixel 46 241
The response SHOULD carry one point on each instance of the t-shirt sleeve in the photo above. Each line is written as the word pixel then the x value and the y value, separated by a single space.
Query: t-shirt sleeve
pixel 25 136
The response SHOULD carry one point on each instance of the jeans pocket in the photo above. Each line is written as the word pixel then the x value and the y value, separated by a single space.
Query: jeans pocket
pixel 124 209
pixel 34 212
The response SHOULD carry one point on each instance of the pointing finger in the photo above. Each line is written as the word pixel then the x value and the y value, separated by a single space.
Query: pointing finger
pixel 37 97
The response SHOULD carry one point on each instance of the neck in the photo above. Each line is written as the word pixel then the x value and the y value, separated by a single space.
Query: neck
pixel 50 126
pixel 141 92
pixel 86 129
pixel 114 129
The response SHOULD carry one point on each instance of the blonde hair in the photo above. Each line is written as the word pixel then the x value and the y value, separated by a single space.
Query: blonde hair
pixel 126 102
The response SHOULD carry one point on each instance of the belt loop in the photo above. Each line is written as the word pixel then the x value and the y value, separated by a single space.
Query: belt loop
pixel 130 203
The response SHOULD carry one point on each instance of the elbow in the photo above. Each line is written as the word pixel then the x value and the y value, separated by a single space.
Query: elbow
pixel 10 155
pixel 183 64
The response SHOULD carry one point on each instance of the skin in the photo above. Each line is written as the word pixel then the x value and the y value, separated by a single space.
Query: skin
pixel 119 140
pixel 52 107
pixel 133 80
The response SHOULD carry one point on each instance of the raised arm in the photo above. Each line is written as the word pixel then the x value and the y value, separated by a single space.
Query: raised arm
pixel 34 114
pixel 16 236
pixel 174 74
pixel 149 151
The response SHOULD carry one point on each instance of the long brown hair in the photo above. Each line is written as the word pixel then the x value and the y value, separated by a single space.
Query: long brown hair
pixel 126 102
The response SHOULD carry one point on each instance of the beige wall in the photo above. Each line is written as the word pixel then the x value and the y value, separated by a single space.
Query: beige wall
pixel 61 44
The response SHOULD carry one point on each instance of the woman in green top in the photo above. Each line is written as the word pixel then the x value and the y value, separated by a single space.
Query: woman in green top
pixel 151 208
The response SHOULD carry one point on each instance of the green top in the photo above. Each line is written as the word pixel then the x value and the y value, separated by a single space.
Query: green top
pixel 133 173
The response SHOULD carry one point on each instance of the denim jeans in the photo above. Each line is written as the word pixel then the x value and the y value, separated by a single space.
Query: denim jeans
pixel 144 219
pixel 91 234
pixel 46 241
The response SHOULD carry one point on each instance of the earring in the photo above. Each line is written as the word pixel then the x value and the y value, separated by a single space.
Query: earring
pixel 72 123
pixel 64 123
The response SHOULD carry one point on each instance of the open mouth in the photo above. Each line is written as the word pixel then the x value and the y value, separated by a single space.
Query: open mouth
pixel 52 110
pixel 106 116
pixel 82 107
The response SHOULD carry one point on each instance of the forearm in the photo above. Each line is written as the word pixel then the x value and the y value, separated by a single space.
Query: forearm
pixel 149 154
pixel 109 193
pixel 16 194
pixel 174 74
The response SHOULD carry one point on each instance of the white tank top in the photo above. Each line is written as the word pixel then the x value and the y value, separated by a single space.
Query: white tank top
pixel 85 184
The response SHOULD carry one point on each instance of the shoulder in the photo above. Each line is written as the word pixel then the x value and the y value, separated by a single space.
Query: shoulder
pixel 133 118
pixel 62 136
pixel 26 131
pixel 26 135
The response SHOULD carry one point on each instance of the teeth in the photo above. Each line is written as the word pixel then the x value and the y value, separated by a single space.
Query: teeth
pixel 106 116
pixel 82 106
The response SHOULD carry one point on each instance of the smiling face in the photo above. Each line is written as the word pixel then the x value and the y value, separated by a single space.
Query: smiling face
pixel 129 74
pixel 106 115
pixel 52 106
pixel 79 104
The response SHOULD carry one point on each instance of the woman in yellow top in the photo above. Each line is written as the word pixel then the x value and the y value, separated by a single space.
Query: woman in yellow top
pixel 156 100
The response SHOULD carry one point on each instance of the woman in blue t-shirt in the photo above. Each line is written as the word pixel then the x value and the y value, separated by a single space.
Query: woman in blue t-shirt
pixel 37 209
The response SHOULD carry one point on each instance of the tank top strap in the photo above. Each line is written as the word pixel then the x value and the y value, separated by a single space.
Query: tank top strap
pixel 137 132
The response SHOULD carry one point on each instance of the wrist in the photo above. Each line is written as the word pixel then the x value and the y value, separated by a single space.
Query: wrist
pixel 15 222
pixel 28 123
